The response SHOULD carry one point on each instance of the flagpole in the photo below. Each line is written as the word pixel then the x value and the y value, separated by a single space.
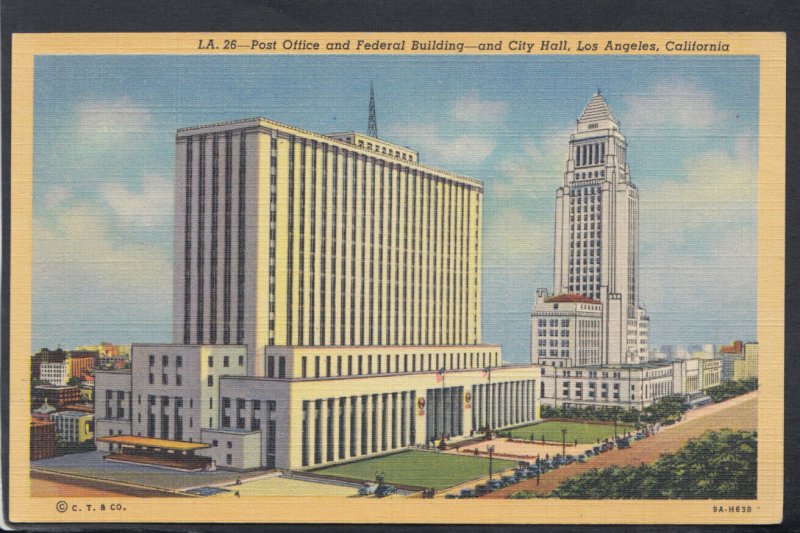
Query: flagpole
pixel 442 443
pixel 491 410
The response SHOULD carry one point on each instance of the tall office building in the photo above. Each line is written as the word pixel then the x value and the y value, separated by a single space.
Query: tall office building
pixel 596 235
pixel 327 307
pixel 284 237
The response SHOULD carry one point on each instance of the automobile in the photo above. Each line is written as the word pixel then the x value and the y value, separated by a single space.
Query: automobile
pixel 385 490
pixel 639 436
pixel 468 493
pixel 482 489
pixel 524 464
pixel 450 496
pixel 623 443
pixel 569 459
pixel 367 489
pixel 495 484
pixel 520 473
pixel 581 458
pixel 596 450
pixel 509 480
pixel 588 453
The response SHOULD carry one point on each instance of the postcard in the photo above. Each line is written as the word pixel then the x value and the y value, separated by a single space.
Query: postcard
pixel 494 278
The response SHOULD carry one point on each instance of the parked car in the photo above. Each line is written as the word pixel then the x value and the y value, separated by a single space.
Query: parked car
pixel 581 458
pixel 367 489
pixel 482 489
pixel 385 490
pixel 623 443
pixel 524 464
pixel 569 459
pixel 509 480
pixel 520 473
pixel 495 484
pixel 450 496
pixel 468 493
pixel 596 450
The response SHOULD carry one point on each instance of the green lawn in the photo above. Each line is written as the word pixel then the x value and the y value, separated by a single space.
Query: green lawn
pixel 584 432
pixel 423 469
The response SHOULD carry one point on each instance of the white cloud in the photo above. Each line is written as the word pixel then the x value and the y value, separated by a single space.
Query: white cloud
pixel 442 148
pixel 108 117
pixel 149 206
pixel 513 240
pixel 477 111
pixel 717 189
pixel 535 172
pixel 56 195
pixel 79 241
pixel 673 102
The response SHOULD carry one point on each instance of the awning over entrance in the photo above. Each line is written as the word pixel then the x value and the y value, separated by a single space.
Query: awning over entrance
pixel 147 442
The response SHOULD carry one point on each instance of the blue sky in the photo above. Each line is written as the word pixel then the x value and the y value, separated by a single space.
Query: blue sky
pixel 104 163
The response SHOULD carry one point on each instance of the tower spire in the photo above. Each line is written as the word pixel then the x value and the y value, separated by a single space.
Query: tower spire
pixel 372 127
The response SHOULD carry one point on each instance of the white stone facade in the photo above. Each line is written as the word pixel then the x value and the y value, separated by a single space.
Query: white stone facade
pixel 596 233
pixel 566 331
pixel 55 373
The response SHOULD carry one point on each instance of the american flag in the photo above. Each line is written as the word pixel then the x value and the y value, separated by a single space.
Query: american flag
pixel 440 375
pixel 485 372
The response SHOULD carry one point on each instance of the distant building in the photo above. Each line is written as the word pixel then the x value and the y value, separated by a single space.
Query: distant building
pixel 711 372
pixel 73 427
pixel 107 349
pixel 44 411
pixel 739 361
pixel 56 396
pixel 79 366
pixel 687 377
pixel 626 386
pixel 46 356
pixel 43 439
pixel 83 407
pixel 55 373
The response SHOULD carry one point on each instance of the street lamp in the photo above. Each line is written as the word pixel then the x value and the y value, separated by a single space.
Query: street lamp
pixel 538 467
pixel 490 449
pixel 563 442
pixel 615 428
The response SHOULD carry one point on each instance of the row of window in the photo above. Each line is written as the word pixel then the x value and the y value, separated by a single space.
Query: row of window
pixel 553 332
pixel 590 175
pixel 542 322
pixel 359 365
pixel 383 150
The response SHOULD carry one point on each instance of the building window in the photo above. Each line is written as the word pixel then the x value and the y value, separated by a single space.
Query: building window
pixel 228 459
pixel 152 360
pixel 271 366
pixel 210 381
pixel 225 361
pixel 164 380
pixel 164 360
pixel 215 443
pixel 151 379
pixel 178 380
pixel 241 360
pixel 281 367
pixel 303 367
pixel 210 361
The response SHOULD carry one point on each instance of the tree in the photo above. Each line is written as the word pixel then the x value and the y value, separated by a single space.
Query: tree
pixel 718 464
pixel 74 381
